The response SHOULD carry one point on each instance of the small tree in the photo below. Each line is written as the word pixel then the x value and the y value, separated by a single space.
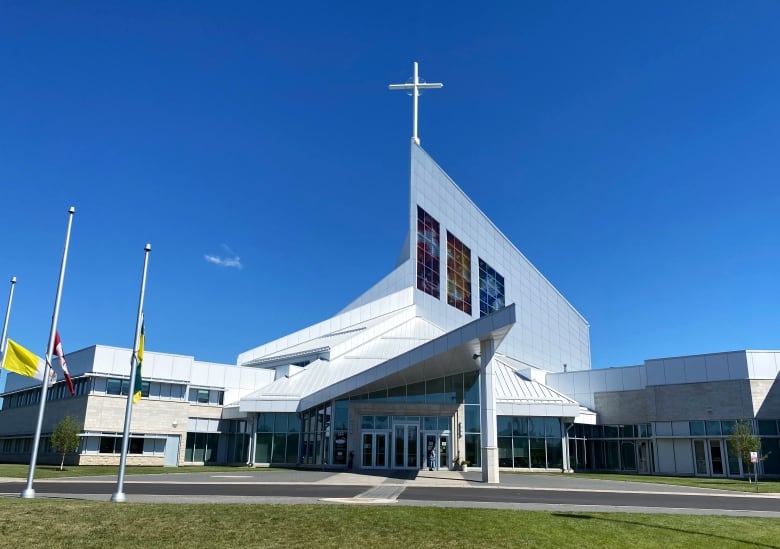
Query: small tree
pixel 65 437
pixel 744 441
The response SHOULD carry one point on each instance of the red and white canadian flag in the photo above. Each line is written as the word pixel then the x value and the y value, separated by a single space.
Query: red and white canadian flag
pixel 61 355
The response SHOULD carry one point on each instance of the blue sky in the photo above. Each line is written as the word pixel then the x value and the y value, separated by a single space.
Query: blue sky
pixel 629 150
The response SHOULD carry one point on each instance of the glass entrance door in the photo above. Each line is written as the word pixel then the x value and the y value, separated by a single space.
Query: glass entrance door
pixel 405 446
pixel 643 464
pixel 716 458
pixel 374 454
pixel 440 444
pixel 700 457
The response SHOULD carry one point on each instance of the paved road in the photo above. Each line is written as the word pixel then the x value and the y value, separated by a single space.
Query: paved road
pixel 423 488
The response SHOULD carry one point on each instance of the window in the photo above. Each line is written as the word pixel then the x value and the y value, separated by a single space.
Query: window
pixel 458 274
pixel 697 428
pixel 277 435
pixel 203 396
pixel 113 386
pixel 491 289
pixel 108 445
pixel 712 427
pixel 116 386
pixel 427 253
pixel 136 446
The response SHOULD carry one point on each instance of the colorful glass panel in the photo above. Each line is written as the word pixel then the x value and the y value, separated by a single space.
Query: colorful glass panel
pixel 427 253
pixel 458 274
pixel 491 289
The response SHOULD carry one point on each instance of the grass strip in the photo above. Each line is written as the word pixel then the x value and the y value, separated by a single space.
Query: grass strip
pixel 67 523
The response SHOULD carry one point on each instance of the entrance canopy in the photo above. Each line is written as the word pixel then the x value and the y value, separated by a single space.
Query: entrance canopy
pixel 413 351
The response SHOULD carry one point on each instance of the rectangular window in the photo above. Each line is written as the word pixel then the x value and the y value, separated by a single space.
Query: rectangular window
pixel 554 453
pixel 520 452
pixel 108 445
pixel 491 289
pixel 471 418
pixel 201 396
pixel 113 386
pixel 767 427
pixel 712 427
pixel 538 454
pixel 427 253
pixel 504 427
pixel 505 452
pixel 458 274
pixel 136 446
pixel 697 428
pixel 610 431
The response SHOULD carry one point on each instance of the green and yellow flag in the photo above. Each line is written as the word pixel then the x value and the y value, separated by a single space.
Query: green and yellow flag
pixel 139 361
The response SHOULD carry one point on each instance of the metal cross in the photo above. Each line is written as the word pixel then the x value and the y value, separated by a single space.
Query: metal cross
pixel 415 85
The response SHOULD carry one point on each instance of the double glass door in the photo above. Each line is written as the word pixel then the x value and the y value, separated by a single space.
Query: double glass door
pixel 374 451
pixel 406 446
pixel 708 457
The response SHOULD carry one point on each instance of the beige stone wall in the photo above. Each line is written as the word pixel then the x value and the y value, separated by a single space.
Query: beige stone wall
pixel 111 459
pixel 202 410
pixel 107 413
pixel 766 397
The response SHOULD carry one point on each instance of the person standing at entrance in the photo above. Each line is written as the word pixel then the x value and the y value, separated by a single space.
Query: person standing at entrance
pixel 432 459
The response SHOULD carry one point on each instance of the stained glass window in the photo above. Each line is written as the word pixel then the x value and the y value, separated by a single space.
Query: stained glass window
pixel 491 289
pixel 427 253
pixel 458 274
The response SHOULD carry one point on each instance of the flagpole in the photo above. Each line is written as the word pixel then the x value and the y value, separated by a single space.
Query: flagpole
pixel 119 495
pixel 29 492
pixel 3 340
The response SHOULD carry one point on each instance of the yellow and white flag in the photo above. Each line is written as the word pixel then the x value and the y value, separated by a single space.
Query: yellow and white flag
pixel 24 362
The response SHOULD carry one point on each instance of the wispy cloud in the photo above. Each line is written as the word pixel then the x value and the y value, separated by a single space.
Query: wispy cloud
pixel 230 260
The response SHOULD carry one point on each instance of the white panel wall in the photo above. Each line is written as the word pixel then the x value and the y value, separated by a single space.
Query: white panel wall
pixel 763 364
pixel 341 321
pixel 582 385
pixel 665 456
pixel 683 456
pixel 698 368
pixel 549 331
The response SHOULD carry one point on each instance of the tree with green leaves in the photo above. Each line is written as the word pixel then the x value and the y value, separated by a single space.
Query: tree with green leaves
pixel 743 441
pixel 65 437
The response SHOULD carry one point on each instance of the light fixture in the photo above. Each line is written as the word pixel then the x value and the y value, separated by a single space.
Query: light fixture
pixel 475 356
pixel 175 423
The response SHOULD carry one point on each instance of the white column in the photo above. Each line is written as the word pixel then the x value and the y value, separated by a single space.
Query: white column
pixel 488 412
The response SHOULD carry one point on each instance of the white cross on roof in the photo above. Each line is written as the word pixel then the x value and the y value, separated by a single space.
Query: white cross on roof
pixel 415 85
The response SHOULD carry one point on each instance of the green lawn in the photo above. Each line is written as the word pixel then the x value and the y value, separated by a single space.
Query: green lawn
pixel 85 524
pixel 15 470
pixel 739 485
